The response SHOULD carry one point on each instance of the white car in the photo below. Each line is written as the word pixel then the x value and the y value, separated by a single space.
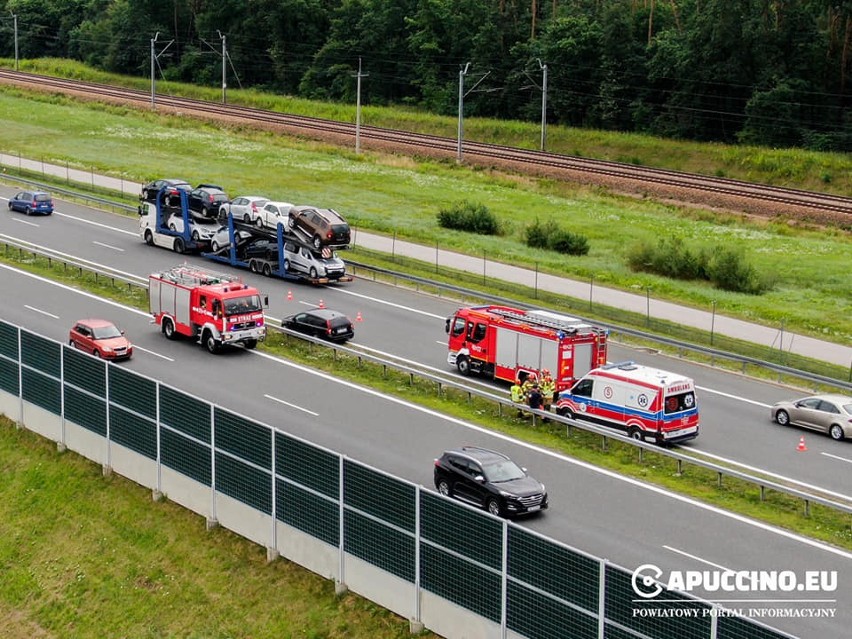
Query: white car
pixel 200 229
pixel 244 208
pixel 272 214
pixel 312 263
pixel 222 238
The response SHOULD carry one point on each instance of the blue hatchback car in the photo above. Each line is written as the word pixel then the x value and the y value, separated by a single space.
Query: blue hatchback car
pixel 32 203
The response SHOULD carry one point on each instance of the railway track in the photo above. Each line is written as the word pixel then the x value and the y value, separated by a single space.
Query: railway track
pixel 705 190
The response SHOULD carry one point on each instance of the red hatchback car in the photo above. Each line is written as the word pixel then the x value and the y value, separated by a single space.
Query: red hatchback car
pixel 100 338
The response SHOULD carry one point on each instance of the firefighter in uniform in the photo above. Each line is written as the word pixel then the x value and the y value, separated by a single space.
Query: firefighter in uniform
pixel 548 389
pixel 518 395
pixel 527 387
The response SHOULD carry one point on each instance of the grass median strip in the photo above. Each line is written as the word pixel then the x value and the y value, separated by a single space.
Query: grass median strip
pixel 738 496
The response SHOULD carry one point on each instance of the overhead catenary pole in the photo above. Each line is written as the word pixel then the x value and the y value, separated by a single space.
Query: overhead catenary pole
pixel 224 77
pixel 543 104
pixel 15 23
pixel 358 107
pixel 154 57
pixel 462 73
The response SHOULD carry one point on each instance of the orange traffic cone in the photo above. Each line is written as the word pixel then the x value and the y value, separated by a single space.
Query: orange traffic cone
pixel 321 304
pixel 358 317
pixel 289 296
pixel 801 447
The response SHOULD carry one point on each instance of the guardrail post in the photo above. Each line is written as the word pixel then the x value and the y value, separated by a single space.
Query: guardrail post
pixel 762 493
pixel 807 508
pixel 679 467
pixel 720 478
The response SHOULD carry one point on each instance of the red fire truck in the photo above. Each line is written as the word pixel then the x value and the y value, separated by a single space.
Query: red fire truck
pixel 217 310
pixel 507 343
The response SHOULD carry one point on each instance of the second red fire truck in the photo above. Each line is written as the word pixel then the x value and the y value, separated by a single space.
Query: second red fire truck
pixel 507 343
pixel 217 310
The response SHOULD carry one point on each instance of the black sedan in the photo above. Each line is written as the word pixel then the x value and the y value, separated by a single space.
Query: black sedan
pixel 323 323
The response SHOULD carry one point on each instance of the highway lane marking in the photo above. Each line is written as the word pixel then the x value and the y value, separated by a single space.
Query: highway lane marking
pixel 695 557
pixel 729 396
pixel 392 304
pixel 565 459
pixel 96 265
pixel 93 223
pixel 109 246
pixel 776 475
pixel 38 310
pixel 14 219
pixel 281 401
pixel 848 461
pixel 136 347
pixel 75 290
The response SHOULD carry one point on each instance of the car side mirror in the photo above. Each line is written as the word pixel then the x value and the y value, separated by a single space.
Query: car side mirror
pixel 480 479
pixel 447 326
pixel 266 301
pixel 122 332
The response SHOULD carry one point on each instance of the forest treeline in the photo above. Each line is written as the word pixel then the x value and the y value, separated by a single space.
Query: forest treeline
pixel 766 72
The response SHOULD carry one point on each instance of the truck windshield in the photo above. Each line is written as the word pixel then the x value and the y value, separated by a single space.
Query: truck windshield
pixel 240 305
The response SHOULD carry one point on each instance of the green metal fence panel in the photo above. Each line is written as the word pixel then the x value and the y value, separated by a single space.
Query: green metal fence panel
pixel 243 482
pixel 84 371
pixel 42 390
pixel 671 614
pixel 9 371
pixel 244 438
pixel 133 431
pixel 185 413
pixel 740 628
pixel 537 616
pixel 460 581
pixel 307 465
pixel 133 391
pixel 307 511
pixel 9 340
pixel 187 457
pixel 548 566
pixel 40 353
pixel 468 532
pixel 377 543
pixel 388 498
pixel 86 410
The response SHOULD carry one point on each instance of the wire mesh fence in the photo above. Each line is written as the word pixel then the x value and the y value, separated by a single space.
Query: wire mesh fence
pixel 420 554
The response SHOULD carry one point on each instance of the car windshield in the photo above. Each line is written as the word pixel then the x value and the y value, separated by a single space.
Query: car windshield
pixel 502 471
pixel 244 304
pixel 105 332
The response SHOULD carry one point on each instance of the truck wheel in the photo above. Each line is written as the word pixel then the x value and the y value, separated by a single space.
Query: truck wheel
pixel 210 342
pixel 267 270
pixel 251 343
pixel 169 329
pixel 463 364
pixel 149 238
pixel 253 266
pixel 635 433
pixel 179 245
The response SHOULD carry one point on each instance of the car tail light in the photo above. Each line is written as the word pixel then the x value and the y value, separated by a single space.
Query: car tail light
pixel 329 235
pixel 253 207
pixel 328 328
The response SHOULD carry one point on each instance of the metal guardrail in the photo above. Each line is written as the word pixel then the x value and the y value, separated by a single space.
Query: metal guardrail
pixel 806 496
pixel 706 350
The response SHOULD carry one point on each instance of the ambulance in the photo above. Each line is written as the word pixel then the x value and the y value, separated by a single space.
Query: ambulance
pixel 646 403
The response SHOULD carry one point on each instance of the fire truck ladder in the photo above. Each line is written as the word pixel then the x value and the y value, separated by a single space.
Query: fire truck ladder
pixel 541 321
pixel 197 276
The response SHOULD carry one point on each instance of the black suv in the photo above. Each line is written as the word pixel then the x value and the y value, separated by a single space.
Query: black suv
pixel 207 199
pixel 490 480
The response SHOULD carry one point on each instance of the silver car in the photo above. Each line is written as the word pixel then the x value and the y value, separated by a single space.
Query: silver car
pixel 313 263
pixel 244 208
pixel 222 238
pixel 830 414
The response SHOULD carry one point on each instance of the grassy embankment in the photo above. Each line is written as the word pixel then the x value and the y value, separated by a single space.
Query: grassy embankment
pixel 397 195
pixel 88 557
